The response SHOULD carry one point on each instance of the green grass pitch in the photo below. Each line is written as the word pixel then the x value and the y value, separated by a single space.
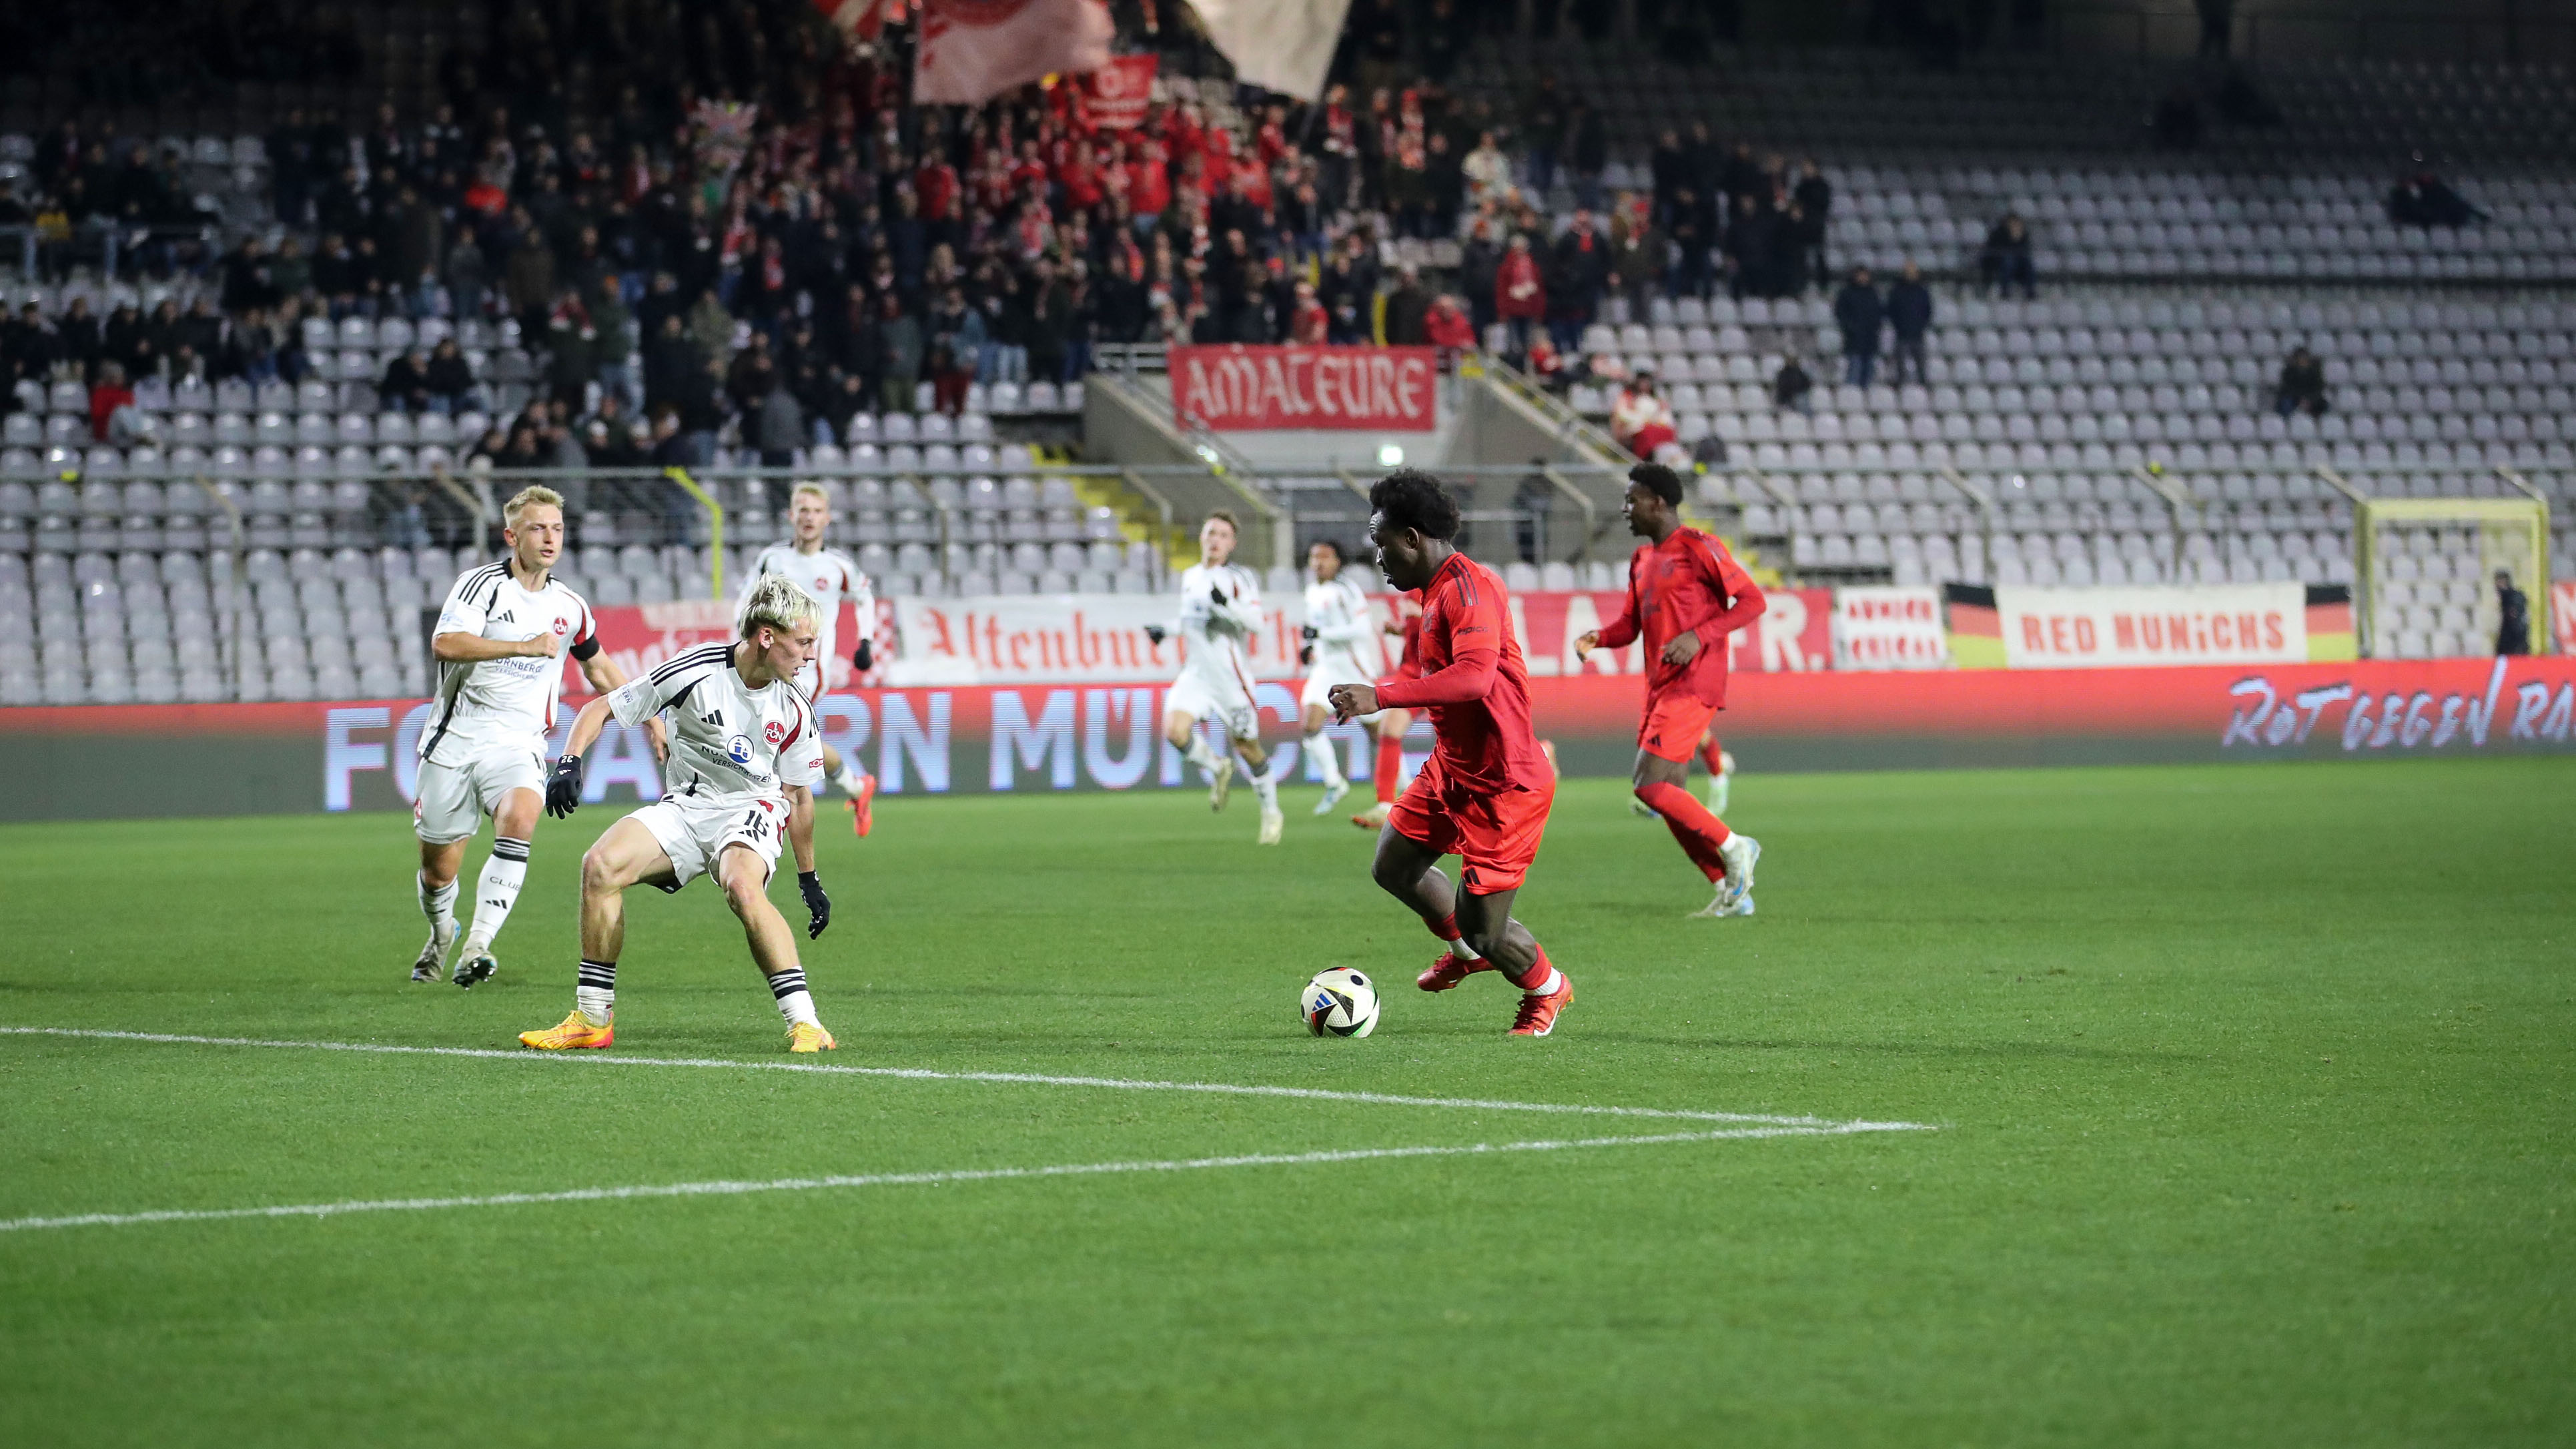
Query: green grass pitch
pixel 2253 1090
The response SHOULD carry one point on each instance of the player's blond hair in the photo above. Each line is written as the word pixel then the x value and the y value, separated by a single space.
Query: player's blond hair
pixel 521 501
pixel 821 494
pixel 775 603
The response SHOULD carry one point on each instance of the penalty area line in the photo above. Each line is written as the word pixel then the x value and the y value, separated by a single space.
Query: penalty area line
pixel 925 1074
pixel 726 1188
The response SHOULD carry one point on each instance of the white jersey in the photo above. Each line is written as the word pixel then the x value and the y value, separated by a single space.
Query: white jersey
pixel 729 742
pixel 1346 650
pixel 1217 636
pixel 506 702
pixel 829 577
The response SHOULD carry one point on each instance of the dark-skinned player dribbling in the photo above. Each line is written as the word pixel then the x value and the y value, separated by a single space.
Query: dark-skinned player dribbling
pixel 1484 794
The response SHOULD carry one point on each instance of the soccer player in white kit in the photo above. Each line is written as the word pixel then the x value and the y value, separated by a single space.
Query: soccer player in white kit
pixel 1220 612
pixel 745 758
pixel 499 644
pixel 1341 648
pixel 828 576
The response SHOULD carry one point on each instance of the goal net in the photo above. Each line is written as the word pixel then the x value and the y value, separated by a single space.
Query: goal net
pixel 2427 570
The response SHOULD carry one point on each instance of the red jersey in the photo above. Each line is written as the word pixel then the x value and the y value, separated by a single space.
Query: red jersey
pixel 1472 684
pixel 1408 664
pixel 1688 583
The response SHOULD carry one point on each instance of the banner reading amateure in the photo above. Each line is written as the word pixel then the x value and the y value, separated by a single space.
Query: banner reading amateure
pixel 1375 389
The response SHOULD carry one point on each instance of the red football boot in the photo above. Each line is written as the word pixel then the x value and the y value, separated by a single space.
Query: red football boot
pixel 1538 1013
pixel 863 806
pixel 1449 970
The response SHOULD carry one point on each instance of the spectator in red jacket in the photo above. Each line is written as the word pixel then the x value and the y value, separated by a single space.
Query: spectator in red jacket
pixel 1309 325
pixel 1447 327
pixel 1520 294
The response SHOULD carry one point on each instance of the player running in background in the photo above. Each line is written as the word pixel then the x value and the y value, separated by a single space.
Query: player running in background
pixel 1484 794
pixel 1686 593
pixel 828 576
pixel 1341 648
pixel 745 757
pixel 1392 723
pixel 499 645
pixel 1220 612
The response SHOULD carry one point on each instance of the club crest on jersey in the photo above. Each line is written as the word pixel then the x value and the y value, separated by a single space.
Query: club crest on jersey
pixel 776 731
pixel 561 625
pixel 738 750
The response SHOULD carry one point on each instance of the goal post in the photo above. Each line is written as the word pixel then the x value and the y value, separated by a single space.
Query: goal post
pixel 2426 568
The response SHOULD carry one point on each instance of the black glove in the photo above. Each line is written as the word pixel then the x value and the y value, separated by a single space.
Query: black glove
pixel 1306 655
pixel 1219 595
pixel 815 901
pixel 1154 632
pixel 1309 633
pixel 563 790
pixel 866 656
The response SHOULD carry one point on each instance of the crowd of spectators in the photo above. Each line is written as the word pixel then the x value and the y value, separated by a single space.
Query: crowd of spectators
pixel 743 252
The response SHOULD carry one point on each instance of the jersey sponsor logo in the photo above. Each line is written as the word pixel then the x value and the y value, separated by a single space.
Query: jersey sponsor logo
pixel 776 731
pixel 738 750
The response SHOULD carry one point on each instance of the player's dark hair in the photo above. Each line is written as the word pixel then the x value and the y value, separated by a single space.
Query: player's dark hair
pixel 1224 516
pixel 1411 498
pixel 1659 480
pixel 1340 556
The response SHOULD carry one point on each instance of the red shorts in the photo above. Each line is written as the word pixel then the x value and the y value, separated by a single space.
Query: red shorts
pixel 1673 724
pixel 1496 834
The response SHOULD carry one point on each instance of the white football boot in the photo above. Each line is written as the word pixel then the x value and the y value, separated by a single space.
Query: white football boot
pixel 433 955
pixel 1739 852
pixel 1220 780
pixel 1272 822
pixel 1332 796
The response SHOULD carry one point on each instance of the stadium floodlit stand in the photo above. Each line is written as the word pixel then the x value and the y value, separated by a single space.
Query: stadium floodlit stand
pixel 235 455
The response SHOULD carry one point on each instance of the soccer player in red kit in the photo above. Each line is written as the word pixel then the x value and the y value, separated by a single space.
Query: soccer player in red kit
pixel 1392 723
pixel 1686 593
pixel 1484 795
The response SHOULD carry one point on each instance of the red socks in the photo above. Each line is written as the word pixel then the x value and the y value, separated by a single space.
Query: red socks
pixel 1713 755
pixel 1390 765
pixel 1446 928
pixel 1537 975
pixel 1699 832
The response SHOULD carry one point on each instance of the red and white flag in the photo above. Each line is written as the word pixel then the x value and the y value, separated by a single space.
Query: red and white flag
pixel 855 19
pixel 974 50
pixel 1280 45
pixel 1116 94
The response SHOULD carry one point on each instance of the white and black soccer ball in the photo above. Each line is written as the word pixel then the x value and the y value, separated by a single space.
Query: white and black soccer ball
pixel 1339 1002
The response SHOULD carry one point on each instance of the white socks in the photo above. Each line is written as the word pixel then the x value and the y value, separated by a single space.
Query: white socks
pixel 1463 951
pixel 1331 759
pixel 1554 983
pixel 1200 755
pixel 848 777
pixel 596 995
pixel 794 1002
pixel 1265 785
pixel 439 905
pixel 503 874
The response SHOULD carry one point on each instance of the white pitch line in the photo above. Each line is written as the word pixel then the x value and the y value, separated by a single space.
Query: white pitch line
pixel 909 1179
pixel 924 1074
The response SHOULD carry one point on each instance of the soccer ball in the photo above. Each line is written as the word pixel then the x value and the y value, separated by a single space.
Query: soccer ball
pixel 1339 1002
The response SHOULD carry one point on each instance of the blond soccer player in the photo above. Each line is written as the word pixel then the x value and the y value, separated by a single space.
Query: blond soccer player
pixel 829 576
pixel 1220 612
pixel 745 759
pixel 499 643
